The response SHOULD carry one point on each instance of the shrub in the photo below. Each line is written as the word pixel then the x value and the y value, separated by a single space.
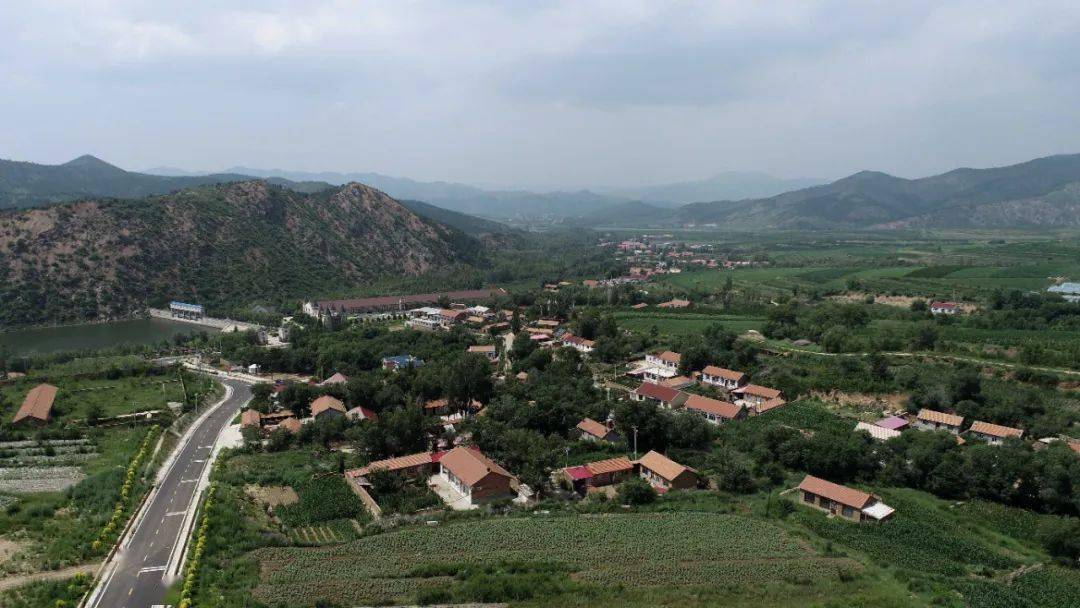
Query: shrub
pixel 636 492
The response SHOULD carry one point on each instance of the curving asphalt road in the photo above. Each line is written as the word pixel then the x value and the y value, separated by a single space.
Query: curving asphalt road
pixel 137 577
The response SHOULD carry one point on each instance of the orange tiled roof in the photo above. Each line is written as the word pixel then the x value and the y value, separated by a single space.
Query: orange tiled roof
pixel 715 407
pixel 394 464
pixel 759 391
pixel 611 465
pixel 670 356
pixel 658 392
pixel 662 465
pixel 593 428
pixel 940 417
pixel 38 403
pixel 326 402
pixel 470 466
pixel 836 492
pixel 995 430
pixel 727 374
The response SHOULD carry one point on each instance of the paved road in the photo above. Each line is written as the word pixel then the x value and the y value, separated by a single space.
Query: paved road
pixel 138 579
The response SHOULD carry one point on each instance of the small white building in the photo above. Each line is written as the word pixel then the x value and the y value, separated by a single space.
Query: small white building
pixel 667 359
pixel 994 434
pixel 944 308
pixel 932 420
pixel 578 343
pixel 724 378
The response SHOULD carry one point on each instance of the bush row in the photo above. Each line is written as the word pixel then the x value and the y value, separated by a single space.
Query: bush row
pixel 115 522
pixel 195 560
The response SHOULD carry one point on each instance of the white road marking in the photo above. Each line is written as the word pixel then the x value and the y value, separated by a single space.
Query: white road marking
pixel 151 569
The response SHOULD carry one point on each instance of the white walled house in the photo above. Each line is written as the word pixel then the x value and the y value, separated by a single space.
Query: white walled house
pixel 931 420
pixel 723 378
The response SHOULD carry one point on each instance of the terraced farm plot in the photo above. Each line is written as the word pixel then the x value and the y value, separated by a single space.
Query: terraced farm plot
pixel 326 533
pixel 39 479
pixel 679 549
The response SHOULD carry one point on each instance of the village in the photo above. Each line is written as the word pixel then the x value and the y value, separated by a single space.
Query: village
pixel 630 393
pixel 465 478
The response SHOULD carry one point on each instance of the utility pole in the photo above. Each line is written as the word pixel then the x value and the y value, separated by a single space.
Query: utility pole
pixel 635 441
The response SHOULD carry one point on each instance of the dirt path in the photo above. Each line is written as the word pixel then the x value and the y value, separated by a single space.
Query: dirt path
pixel 49 575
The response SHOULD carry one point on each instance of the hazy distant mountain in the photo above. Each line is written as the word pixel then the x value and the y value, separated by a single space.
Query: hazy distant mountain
pixel 469 224
pixel 24 184
pixel 499 204
pixel 731 185
pixel 1042 193
pixel 223 245
pixel 171 172
pixel 631 213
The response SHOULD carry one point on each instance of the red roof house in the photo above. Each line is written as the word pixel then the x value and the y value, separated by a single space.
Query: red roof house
pixel 37 407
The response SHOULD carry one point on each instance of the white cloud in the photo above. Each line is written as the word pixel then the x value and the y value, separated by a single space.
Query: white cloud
pixel 570 92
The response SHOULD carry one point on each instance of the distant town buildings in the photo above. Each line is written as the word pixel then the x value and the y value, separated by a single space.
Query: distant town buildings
pixel 357 306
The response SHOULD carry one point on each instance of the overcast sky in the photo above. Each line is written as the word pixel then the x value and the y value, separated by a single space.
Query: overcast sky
pixel 541 94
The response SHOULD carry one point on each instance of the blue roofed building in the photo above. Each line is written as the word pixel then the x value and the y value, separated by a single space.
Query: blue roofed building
pixel 401 361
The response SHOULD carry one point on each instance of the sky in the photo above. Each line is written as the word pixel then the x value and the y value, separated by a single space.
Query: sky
pixel 542 94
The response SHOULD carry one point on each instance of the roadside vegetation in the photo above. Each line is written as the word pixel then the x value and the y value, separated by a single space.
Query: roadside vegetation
pixel 68 487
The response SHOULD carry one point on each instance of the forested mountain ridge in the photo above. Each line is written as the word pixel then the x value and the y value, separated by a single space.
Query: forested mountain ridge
pixel 24 184
pixel 1041 193
pixel 219 245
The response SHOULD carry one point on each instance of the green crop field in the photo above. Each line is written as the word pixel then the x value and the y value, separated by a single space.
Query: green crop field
pixel 684 323
pixel 958 547
pixel 636 551
pixel 962 265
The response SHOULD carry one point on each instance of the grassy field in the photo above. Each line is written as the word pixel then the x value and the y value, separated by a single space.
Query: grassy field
pixel 78 394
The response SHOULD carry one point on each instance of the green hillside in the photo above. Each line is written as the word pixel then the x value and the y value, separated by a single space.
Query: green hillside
pixel 220 245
